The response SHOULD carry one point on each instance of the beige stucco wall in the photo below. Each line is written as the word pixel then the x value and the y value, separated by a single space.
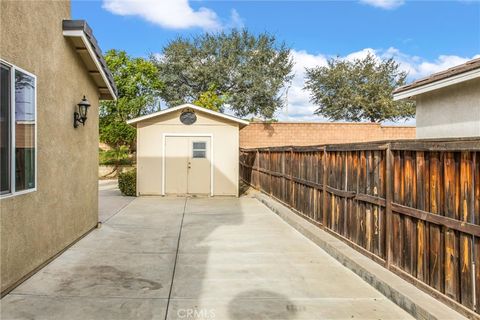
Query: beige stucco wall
pixel 453 111
pixel 150 149
pixel 36 226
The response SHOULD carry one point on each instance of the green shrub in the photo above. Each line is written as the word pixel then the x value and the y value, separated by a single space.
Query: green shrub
pixel 127 182
pixel 115 157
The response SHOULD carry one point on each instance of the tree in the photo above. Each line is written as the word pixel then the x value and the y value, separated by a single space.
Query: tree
pixel 358 90
pixel 246 72
pixel 139 86
pixel 211 100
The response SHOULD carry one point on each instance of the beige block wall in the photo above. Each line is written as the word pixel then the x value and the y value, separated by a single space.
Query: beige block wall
pixel 36 226
pixel 277 134
pixel 150 150
pixel 450 112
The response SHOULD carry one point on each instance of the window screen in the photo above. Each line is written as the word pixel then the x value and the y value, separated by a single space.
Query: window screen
pixel 199 150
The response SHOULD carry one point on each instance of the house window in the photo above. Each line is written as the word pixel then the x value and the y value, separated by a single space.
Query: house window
pixel 5 125
pixel 18 130
pixel 199 150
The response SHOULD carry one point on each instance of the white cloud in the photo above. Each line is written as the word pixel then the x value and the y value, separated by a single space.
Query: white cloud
pixel 299 106
pixel 235 20
pixel 301 109
pixel 418 67
pixel 384 4
pixel 172 14
pixel 360 54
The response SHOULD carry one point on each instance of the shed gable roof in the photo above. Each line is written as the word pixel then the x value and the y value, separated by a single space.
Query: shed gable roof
pixel 191 106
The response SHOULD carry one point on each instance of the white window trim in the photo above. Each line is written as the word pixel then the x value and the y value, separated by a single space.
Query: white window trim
pixel 12 192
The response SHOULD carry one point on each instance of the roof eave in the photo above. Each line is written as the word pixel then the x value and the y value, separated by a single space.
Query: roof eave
pixel 400 94
pixel 76 29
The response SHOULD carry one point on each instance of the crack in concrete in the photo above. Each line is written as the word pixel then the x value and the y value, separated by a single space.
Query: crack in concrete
pixel 176 258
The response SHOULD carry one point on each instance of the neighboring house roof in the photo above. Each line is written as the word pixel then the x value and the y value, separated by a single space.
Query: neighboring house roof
pixel 87 47
pixel 191 106
pixel 467 71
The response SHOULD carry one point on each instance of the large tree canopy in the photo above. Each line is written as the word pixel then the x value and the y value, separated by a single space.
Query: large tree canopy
pixel 238 69
pixel 138 87
pixel 358 90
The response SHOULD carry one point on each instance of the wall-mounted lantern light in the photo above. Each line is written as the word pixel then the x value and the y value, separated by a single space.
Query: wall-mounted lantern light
pixel 81 115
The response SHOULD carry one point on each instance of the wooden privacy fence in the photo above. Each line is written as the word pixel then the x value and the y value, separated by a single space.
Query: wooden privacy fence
pixel 412 206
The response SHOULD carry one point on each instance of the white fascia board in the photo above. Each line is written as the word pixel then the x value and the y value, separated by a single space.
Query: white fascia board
pixel 470 75
pixel 80 34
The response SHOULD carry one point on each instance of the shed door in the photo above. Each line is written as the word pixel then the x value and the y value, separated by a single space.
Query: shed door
pixel 187 165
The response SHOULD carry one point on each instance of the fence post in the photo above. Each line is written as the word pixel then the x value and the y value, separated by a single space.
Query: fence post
pixel 315 190
pixel 324 183
pixel 270 171
pixel 284 181
pixel 292 184
pixel 388 204
pixel 257 182
pixel 345 201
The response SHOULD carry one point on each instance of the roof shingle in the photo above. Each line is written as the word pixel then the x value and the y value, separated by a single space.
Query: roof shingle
pixel 82 25
pixel 467 66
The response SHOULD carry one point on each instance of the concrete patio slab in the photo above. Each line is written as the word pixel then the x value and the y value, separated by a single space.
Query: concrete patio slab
pixel 110 199
pixel 124 239
pixel 404 294
pixel 88 273
pixel 81 308
pixel 277 306
pixel 235 260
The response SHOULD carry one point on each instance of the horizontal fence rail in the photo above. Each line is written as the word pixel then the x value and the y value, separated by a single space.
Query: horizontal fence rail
pixel 412 206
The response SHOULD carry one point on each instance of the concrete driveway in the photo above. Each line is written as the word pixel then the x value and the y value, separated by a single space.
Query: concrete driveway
pixel 110 199
pixel 195 258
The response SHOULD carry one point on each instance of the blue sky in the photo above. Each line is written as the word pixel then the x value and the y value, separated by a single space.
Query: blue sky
pixel 423 36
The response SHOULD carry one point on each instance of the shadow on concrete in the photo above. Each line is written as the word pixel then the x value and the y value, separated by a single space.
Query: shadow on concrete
pixel 272 306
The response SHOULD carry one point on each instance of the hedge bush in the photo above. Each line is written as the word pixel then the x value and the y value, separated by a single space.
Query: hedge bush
pixel 127 183
pixel 115 158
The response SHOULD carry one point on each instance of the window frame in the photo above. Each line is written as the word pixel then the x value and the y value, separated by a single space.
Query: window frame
pixel 12 137
pixel 199 149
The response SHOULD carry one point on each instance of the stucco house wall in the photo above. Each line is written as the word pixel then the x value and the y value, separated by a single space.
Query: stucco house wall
pixel 36 226
pixel 453 111
pixel 150 150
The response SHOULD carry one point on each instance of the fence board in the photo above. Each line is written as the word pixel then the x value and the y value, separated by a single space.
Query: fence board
pixel 436 238
pixel 414 209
